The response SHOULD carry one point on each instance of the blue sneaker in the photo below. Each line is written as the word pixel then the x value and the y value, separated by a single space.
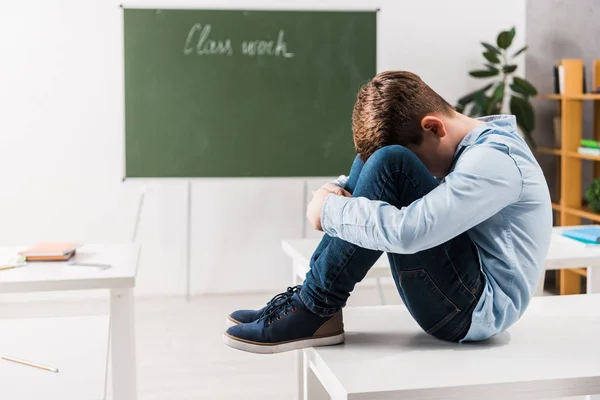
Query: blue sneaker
pixel 287 325
pixel 246 316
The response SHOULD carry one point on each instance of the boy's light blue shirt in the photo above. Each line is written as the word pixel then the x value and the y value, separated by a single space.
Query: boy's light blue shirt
pixel 497 192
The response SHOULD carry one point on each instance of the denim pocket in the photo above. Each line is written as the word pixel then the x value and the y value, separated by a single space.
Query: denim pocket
pixel 428 305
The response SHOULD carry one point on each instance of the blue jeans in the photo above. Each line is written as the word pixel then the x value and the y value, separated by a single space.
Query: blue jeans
pixel 440 286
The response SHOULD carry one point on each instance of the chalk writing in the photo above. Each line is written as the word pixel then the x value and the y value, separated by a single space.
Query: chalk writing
pixel 263 47
pixel 199 42
pixel 204 45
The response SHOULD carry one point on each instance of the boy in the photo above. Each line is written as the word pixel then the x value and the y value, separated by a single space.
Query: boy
pixel 460 206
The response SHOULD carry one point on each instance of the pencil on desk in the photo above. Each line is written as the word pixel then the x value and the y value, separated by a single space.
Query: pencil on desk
pixel 29 363
pixel 3 267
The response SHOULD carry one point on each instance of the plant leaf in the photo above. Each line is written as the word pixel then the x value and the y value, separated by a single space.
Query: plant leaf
pixel 504 39
pixel 471 96
pixel 522 110
pixel 512 33
pixel 509 68
pixel 494 105
pixel 484 73
pixel 520 51
pixel 483 103
pixel 491 57
pixel 498 91
pixel 518 89
pixel 529 89
pixel 478 107
pixel 491 48
pixel 476 110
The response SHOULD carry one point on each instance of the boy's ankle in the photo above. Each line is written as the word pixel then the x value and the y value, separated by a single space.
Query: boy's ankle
pixel 309 304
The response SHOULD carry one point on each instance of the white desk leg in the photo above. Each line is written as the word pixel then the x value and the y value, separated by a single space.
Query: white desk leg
pixel 311 387
pixel 305 375
pixel 593 286
pixel 298 356
pixel 593 280
pixel 539 291
pixel 123 344
pixel 380 291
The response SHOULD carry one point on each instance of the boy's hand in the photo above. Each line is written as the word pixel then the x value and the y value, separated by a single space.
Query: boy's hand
pixel 315 207
pixel 335 189
pixel 313 211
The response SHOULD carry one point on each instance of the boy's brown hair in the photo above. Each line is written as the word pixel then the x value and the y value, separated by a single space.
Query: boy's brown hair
pixel 389 110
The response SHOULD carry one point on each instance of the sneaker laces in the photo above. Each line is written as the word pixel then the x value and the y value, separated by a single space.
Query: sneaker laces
pixel 282 301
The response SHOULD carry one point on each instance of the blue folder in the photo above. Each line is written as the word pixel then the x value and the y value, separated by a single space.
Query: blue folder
pixel 588 234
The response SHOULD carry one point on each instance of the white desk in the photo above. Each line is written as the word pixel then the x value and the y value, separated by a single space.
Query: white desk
pixel 119 279
pixel 563 254
pixel 77 346
pixel 387 356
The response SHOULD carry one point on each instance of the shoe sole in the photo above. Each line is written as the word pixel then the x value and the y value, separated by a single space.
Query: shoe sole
pixel 230 322
pixel 282 347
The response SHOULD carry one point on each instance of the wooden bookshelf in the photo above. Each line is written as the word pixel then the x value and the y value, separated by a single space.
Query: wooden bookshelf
pixel 549 150
pixel 582 96
pixel 570 209
pixel 582 212
pixel 573 154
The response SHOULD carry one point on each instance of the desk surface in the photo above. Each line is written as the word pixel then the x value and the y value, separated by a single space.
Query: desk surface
pixel 47 276
pixel 77 346
pixel 564 252
pixel 386 351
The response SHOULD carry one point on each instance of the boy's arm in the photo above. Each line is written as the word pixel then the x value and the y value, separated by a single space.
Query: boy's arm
pixel 484 182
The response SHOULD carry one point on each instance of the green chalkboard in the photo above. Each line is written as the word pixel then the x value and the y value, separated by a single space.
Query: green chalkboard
pixel 234 93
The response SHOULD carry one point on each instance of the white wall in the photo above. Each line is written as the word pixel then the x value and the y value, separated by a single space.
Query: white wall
pixel 61 137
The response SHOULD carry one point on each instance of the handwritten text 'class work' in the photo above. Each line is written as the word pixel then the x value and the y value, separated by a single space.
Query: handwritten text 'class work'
pixel 199 42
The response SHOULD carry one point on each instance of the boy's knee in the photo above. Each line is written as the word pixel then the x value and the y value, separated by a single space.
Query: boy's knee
pixel 392 155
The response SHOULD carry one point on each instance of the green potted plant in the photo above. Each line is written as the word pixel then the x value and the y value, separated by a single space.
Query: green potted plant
pixel 505 85
pixel 592 195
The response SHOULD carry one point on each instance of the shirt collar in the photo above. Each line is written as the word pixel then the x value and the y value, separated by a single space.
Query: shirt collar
pixel 507 122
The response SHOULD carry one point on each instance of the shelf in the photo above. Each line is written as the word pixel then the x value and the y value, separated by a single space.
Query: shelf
pixel 575 154
pixel 572 154
pixel 583 96
pixel 579 271
pixel 548 150
pixel 583 212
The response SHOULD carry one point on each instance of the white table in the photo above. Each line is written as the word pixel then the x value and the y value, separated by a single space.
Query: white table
pixel 387 356
pixel 77 346
pixel 119 279
pixel 564 253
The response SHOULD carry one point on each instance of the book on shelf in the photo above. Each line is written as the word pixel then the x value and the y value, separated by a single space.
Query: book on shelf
pixel 591 144
pixel 559 80
pixel 588 235
pixel 589 151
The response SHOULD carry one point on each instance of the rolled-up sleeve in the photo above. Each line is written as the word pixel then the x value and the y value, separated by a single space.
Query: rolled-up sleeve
pixel 484 181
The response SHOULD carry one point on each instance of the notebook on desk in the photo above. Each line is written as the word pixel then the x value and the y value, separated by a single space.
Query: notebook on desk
pixel 588 235
pixel 54 251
